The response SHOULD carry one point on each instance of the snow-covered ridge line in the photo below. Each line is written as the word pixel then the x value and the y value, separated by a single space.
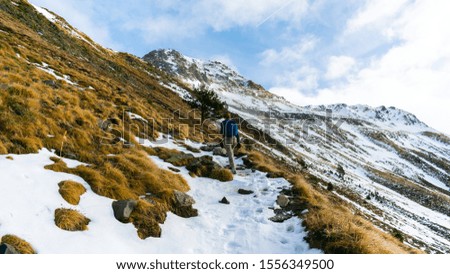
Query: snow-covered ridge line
pixel 51 17
pixel 71 30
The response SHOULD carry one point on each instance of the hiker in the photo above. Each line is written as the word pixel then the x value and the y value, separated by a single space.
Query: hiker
pixel 229 131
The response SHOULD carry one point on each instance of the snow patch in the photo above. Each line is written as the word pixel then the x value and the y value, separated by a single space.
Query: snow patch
pixel 51 17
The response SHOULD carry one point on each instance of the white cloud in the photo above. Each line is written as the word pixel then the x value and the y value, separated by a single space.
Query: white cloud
pixel 188 18
pixel 289 55
pixel 376 14
pixel 225 59
pixel 339 66
pixel 155 29
pixel 413 74
pixel 290 66
pixel 224 14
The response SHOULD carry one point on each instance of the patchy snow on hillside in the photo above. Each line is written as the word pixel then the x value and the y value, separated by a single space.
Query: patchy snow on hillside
pixel 51 17
pixel 30 197
pixel 44 67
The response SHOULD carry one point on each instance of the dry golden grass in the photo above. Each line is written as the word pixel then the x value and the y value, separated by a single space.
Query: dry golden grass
pixel 3 149
pixel 335 229
pixel 173 156
pixel 222 174
pixel 21 246
pixel 125 176
pixel 71 191
pixel 265 164
pixel 99 181
pixel 146 217
pixel 71 220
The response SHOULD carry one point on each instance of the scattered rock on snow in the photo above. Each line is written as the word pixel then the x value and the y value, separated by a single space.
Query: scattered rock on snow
pixel 209 147
pixel 280 217
pixel 174 169
pixel 183 199
pixel 180 159
pixel 182 205
pixel 274 175
pixel 192 149
pixel 224 201
pixel 245 191
pixel 123 208
pixel 7 249
pixel 219 151
pixel 282 200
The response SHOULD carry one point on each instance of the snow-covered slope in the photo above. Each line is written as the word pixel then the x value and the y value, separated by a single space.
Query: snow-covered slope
pixel 231 86
pixel 30 197
pixel 397 168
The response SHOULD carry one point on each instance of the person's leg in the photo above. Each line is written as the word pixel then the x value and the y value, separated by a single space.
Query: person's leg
pixel 229 148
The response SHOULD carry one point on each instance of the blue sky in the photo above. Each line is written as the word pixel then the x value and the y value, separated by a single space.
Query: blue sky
pixel 374 52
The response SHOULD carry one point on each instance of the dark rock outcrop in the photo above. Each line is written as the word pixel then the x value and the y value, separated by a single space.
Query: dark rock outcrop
pixel 123 209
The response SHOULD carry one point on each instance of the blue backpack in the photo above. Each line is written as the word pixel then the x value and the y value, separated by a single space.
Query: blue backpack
pixel 229 128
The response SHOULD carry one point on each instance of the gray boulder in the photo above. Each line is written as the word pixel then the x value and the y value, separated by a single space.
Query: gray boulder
pixel 209 147
pixel 182 205
pixel 245 191
pixel 224 201
pixel 280 217
pixel 7 249
pixel 219 151
pixel 282 200
pixel 182 199
pixel 123 209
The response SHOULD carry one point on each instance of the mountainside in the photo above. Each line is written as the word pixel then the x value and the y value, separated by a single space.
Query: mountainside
pixel 392 167
pixel 100 154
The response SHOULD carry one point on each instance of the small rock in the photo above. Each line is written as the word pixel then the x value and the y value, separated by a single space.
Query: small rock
pixel 7 249
pixel 279 218
pixel 245 191
pixel 224 201
pixel 219 151
pixel 273 175
pixel 182 205
pixel 192 149
pixel 123 209
pixel 174 169
pixel 182 199
pixel 282 200
pixel 207 148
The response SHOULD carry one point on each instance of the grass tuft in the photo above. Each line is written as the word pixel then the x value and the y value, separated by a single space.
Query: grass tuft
pixel 222 174
pixel 71 191
pixel 71 220
pixel 21 246
pixel 146 217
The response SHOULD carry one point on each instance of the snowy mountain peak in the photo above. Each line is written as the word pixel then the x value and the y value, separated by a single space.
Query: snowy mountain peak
pixel 243 95
pixel 383 116
pixel 212 74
